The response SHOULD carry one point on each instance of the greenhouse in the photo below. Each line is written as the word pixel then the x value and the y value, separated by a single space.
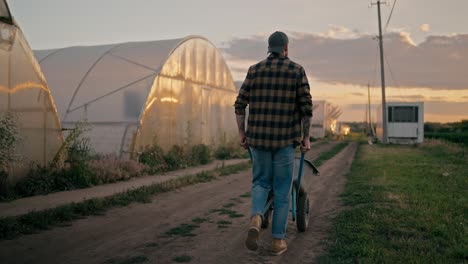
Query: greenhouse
pixel 135 95
pixel 325 119
pixel 27 109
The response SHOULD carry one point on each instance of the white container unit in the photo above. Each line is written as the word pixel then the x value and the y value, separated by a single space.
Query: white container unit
pixel 405 122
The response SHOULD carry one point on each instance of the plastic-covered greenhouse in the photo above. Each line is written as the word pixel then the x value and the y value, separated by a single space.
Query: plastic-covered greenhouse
pixel 325 119
pixel 133 95
pixel 25 94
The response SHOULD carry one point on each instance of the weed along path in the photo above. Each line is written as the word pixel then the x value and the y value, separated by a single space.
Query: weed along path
pixel 202 223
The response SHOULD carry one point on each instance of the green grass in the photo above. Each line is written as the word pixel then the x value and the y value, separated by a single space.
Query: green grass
pixel 182 259
pixel 246 195
pixel 236 200
pixel 128 260
pixel 11 227
pixel 404 205
pixel 224 211
pixel 184 230
pixel 324 156
pixel 229 205
pixel 199 220
pixel 223 224
pixel 228 170
pixel 151 245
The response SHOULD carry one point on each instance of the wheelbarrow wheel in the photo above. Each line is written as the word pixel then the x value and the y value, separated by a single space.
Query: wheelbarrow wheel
pixel 303 207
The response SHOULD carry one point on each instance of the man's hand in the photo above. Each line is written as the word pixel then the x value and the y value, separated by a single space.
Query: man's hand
pixel 243 140
pixel 305 145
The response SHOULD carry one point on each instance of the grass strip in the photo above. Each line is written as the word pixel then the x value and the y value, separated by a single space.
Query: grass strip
pixel 182 259
pixel 128 260
pixel 33 222
pixel 223 224
pixel 406 205
pixel 224 211
pixel 184 230
pixel 330 153
pixel 228 170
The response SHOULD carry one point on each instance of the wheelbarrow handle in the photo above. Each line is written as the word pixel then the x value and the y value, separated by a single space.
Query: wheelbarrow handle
pixel 250 154
pixel 299 173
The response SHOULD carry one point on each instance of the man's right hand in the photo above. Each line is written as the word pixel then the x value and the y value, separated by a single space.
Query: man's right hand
pixel 305 145
pixel 243 140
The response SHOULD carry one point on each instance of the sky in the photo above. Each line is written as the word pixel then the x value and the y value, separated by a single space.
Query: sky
pixel 425 41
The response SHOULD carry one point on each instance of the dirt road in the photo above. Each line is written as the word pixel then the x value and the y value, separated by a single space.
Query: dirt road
pixel 205 223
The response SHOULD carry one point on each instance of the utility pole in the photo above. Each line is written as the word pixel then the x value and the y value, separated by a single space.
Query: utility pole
pixel 369 110
pixel 382 75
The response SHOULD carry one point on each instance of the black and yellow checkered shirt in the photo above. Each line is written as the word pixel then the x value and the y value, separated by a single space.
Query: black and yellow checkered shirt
pixel 278 95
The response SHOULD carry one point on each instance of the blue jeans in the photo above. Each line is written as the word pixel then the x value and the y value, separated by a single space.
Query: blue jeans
pixel 273 170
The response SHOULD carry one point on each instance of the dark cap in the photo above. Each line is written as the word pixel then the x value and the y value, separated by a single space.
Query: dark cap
pixel 277 42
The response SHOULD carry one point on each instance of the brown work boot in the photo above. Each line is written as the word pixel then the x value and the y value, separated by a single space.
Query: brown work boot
pixel 254 232
pixel 278 246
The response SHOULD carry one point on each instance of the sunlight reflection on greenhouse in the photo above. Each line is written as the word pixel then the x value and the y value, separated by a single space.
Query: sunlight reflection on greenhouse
pixel 134 95
pixel 25 94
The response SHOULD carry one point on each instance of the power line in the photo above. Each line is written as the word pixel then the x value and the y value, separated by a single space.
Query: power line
pixel 391 72
pixel 390 16
pixel 375 64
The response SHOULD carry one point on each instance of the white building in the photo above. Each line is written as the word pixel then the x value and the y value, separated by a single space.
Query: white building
pixel 324 119
pixel 405 122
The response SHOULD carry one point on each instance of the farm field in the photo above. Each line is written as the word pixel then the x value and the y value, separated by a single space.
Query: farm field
pixel 404 205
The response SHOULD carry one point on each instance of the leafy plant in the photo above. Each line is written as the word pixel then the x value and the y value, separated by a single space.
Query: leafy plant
pixel 9 138
pixel 175 158
pixel 153 157
pixel 200 154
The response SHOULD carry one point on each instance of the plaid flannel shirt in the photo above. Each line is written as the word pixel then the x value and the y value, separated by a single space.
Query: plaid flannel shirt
pixel 278 95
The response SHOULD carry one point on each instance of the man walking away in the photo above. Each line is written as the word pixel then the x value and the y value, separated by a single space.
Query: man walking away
pixel 278 94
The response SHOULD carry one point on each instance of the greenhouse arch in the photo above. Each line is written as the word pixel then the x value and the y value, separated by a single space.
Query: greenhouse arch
pixel 134 95
pixel 25 97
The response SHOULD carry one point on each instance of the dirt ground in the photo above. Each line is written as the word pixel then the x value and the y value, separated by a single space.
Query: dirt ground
pixel 145 232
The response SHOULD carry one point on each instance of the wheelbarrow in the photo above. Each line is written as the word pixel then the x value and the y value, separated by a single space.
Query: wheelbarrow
pixel 300 203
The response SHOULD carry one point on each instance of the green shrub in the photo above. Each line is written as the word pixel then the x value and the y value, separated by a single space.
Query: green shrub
pixel 153 157
pixel 9 137
pixel 200 154
pixel 459 138
pixel 43 180
pixel 3 185
pixel 75 174
pixel 230 150
pixel 222 152
pixel 175 158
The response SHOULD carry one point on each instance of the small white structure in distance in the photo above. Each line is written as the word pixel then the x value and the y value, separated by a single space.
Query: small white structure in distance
pixel 405 122
pixel 324 119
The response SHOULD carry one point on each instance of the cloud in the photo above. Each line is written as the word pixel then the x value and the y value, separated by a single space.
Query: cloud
pixel 406 98
pixel 445 108
pixel 425 27
pixel 357 94
pixel 439 63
